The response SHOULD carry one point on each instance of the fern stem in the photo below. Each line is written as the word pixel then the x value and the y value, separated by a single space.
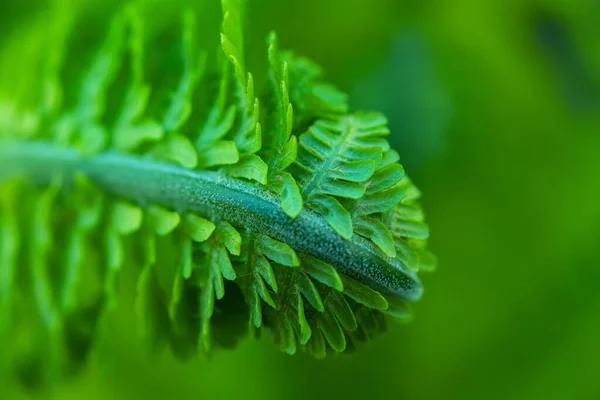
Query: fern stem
pixel 214 195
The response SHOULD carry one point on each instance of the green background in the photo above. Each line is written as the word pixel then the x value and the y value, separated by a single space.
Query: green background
pixel 494 108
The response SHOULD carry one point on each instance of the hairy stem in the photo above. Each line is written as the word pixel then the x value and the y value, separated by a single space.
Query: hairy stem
pixel 214 195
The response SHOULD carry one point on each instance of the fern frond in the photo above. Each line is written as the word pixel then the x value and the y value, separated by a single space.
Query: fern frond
pixel 410 233
pixel 337 156
pixel 168 168
pixel 247 133
pixel 282 145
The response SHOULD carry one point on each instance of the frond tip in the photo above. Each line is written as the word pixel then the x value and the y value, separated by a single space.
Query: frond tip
pixel 287 209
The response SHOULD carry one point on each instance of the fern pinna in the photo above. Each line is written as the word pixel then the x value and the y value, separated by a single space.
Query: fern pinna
pixel 139 152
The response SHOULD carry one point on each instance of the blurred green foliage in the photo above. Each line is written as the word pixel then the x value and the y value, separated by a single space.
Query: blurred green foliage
pixel 495 108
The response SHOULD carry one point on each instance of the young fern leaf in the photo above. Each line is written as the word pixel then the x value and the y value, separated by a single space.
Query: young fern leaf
pixel 283 146
pixel 336 157
pixel 410 233
pixel 248 134
pixel 383 192
pixel 136 163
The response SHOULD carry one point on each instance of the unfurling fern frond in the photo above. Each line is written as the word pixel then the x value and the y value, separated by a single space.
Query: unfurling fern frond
pixel 148 155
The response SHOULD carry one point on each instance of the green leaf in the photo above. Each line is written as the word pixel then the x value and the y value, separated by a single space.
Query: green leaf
pixel 214 147
pixel 222 152
pixel 339 307
pixel 427 261
pixel 277 251
pixel 363 294
pixel 232 39
pixel 416 230
pixel 222 260
pixel 263 292
pixel 176 296
pixel 384 191
pixel 332 331
pixel 385 178
pixel 309 290
pixel 198 228
pixel 291 200
pixel 179 149
pixel 248 135
pixel 92 140
pixel 336 159
pixel 125 218
pixel 216 278
pixel 205 311
pixel 409 231
pixel 163 221
pixel 285 336
pixel 378 233
pixel 316 345
pixel 336 154
pixel 354 171
pixel 382 201
pixel 322 272
pixel 255 309
pixel 230 237
pixel 263 267
pixel 335 214
pixel 398 308
pixel 278 77
pixel 114 250
pixel 248 138
pixel 143 302
pixel 250 167
pixel 185 252
pixel 287 155
pixel 130 137
pixel 196 113
pixel 219 123
pixel 409 212
pixel 304 328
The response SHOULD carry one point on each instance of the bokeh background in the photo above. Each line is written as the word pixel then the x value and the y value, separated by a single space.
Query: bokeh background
pixel 494 108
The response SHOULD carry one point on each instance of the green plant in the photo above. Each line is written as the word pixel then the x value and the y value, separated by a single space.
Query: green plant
pixel 118 158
